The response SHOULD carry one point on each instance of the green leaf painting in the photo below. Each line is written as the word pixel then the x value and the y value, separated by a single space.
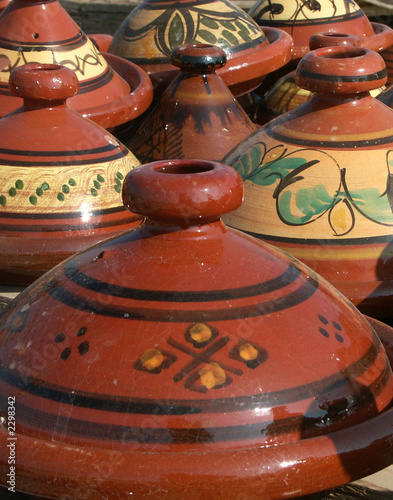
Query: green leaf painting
pixel 309 204
pixel 373 205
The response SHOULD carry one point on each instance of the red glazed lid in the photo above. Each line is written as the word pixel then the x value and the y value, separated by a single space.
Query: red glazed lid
pixel 60 176
pixel 111 91
pixel 322 174
pixel 312 17
pixel 185 356
pixel 285 94
pixel 196 116
pixel 155 28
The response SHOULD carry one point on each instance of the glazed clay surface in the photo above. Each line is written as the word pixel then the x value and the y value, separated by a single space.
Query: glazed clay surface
pixel 286 95
pixel 302 19
pixel 318 179
pixel 165 357
pixel 60 177
pixel 196 116
pixel 156 27
pixel 41 31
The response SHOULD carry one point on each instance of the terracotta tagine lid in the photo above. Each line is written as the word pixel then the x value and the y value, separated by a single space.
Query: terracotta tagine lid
pixel 304 19
pixel 165 357
pixel 317 179
pixel 286 95
pixel 60 176
pixel 196 116
pixel 111 91
pixel 156 27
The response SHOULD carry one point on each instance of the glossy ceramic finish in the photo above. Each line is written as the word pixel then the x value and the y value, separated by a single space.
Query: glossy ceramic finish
pixel 60 176
pixel 156 27
pixel 41 31
pixel 303 19
pixel 196 116
pixel 286 95
pixel 318 179
pixel 3 4
pixel 161 362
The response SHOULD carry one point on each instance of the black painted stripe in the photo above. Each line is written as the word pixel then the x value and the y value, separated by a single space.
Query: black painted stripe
pixel 118 404
pixel 83 280
pixel 61 294
pixel 96 83
pixel 307 22
pixel 365 143
pixel 343 78
pixel 370 240
pixel 66 153
pixel 52 228
pixel 161 5
pixel 361 398
pixel 65 215
pixel 62 162
pixel 77 40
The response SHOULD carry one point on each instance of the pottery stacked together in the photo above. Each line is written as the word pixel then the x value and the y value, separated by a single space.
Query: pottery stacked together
pixel 182 357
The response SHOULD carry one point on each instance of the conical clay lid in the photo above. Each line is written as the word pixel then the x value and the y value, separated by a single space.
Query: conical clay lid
pixel 196 116
pixel 302 20
pixel 60 176
pixel 318 179
pixel 191 357
pixel 155 28
pixel 41 31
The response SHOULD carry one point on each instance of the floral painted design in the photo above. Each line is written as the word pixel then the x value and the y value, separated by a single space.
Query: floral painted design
pixel 159 31
pixel 310 184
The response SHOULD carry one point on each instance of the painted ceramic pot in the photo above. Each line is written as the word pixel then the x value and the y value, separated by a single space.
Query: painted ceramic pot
pixel 318 179
pixel 60 176
pixel 156 27
pixel 302 19
pixel 166 362
pixel 286 95
pixel 196 116
pixel 111 91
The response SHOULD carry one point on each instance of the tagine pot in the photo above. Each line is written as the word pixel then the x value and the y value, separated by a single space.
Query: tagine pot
pixel 318 181
pixel 286 95
pixel 60 176
pixel 155 28
pixel 161 362
pixel 196 116
pixel 304 19
pixel 112 91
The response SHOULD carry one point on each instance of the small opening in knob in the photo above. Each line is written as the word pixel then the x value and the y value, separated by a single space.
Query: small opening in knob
pixel 347 54
pixel 184 168
pixel 36 35
pixel 336 35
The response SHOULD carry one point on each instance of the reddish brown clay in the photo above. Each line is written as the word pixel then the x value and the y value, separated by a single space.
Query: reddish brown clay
pixel 155 28
pixel 60 176
pixel 303 19
pixel 3 4
pixel 164 361
pixel 318 179
pixel 196 116
pixel 111 91
pixel 286 95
